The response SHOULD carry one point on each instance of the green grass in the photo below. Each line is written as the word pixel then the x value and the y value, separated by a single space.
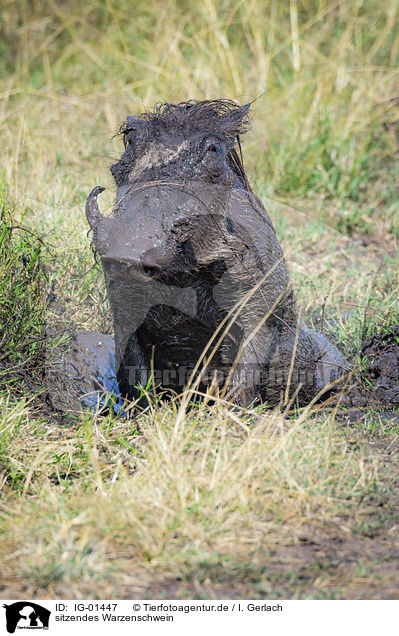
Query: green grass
pixel 222 500
pixel 22 304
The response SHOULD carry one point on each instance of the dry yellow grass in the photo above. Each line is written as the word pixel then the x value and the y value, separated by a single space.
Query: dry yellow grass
pixel 217 493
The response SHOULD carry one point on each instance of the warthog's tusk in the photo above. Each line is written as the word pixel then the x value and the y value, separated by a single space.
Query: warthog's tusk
pixel 93 214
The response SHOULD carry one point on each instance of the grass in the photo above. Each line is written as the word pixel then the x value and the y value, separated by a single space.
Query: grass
pixel 164 500
pixel 22 307
pixel 206 501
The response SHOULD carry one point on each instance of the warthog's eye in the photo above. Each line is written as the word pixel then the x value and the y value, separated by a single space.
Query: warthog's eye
pixel 212 152
pixel 215 148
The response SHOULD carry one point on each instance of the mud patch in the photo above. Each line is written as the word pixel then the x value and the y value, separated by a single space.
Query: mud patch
pixel 380 354
pixel 82 374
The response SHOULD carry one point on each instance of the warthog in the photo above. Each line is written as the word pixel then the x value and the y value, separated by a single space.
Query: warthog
pixel 190 251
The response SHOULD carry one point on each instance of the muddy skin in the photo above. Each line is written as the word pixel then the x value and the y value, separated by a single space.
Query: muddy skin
pixel 187 243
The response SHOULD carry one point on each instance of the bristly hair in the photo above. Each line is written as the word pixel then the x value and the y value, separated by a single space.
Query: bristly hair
pixel 222 118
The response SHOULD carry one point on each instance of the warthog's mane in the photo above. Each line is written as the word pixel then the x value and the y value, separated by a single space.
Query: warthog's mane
pixel 221 118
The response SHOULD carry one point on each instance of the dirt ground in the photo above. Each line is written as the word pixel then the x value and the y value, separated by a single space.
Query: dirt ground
pixel 351 558
pixel 333 562
pixel 382 359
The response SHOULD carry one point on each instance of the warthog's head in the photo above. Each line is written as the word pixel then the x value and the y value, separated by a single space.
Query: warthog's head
pixel 173 181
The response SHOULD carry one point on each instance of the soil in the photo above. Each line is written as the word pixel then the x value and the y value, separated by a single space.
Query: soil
pixel 381 353
pixel 350 558
pixel 377 385
pixel 376 391
pixel 337 564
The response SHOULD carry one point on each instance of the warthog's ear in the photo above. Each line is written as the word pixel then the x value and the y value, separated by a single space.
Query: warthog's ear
pixel 93 214
pixel 236 121
pixel 132 124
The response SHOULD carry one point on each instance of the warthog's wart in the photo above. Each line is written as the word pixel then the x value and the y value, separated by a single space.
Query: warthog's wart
pixel 191 247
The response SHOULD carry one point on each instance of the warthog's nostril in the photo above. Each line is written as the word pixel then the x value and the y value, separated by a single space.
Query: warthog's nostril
pixel 152 261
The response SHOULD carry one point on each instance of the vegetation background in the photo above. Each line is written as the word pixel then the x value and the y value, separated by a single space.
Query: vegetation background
pixel 214 501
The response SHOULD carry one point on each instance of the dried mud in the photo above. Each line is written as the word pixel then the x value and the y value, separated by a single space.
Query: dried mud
pixel 381 356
